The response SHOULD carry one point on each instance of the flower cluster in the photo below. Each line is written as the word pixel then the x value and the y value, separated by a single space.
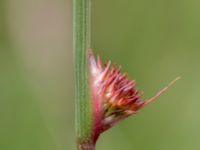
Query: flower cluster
pixel 114 96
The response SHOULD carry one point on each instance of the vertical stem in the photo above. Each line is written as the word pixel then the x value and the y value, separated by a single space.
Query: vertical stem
pixel 82 41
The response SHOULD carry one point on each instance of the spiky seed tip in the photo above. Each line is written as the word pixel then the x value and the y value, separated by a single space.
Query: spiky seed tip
pixel 114 96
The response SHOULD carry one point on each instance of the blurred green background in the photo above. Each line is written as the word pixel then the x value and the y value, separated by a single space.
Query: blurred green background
pixel 155 41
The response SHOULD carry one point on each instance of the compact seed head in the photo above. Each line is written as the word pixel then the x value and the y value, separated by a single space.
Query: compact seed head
pixel 114 96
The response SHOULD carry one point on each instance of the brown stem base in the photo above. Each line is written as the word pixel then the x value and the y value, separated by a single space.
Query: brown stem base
pixel 86 145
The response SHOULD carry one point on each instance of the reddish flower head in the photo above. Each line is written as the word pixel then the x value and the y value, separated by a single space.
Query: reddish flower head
pixel 114 96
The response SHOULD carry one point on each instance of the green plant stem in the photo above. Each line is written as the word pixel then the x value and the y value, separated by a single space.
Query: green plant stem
pixel 83 119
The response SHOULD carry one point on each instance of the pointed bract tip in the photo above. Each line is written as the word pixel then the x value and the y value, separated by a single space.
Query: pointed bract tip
pixel 162 91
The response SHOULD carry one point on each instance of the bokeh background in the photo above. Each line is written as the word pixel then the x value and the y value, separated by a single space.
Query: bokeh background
pixel 155 41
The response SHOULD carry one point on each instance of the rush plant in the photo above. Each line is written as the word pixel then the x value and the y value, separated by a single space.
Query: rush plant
pixel 104 95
